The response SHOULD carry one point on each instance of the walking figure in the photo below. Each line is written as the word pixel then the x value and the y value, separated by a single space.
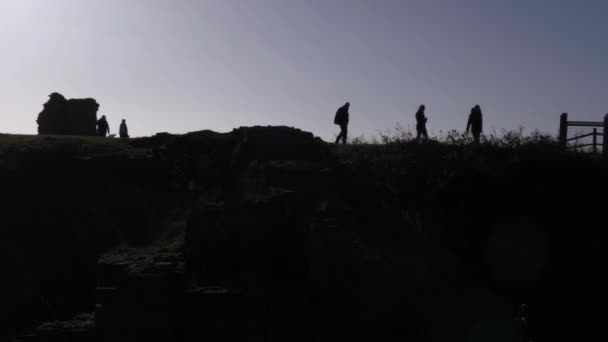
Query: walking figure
pixel 123 131
pixel 421 120
pixel 341 119
pixel 475 123
pixel 103 128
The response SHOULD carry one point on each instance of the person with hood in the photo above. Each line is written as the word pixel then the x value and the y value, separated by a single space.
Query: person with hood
pixel 475 123
pixel 341 119
pixel 123 131
pixel 103 128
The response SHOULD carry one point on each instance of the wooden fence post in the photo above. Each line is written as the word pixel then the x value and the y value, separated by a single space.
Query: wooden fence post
pixel 594 140
pixel 605 137
pixel 563 130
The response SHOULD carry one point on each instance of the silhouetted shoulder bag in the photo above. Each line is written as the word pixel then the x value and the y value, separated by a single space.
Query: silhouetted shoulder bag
pixel 337 118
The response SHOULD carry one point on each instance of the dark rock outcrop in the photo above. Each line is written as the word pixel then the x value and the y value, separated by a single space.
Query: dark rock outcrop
pixel 268 234
pixel 275 143
pixel 62 208
pixel 68 117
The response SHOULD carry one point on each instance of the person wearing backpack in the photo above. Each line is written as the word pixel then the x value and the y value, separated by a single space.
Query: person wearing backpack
pixel 475 123
pixel 341 119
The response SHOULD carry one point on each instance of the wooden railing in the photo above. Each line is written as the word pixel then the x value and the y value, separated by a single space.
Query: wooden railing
pixel 564 124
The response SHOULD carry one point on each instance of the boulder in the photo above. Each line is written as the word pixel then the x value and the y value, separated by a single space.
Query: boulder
pixel 275 143
pixel 68 117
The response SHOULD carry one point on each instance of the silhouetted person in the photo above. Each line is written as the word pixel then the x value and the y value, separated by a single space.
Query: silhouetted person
pixel 123 131
pixel 341 119
pixel 421 123
pixel 103 128
pixel 475 123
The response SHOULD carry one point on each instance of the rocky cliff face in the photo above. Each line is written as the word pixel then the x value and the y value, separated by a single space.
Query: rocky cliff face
pixel 269 234
pixel 62 206
pixel 68 117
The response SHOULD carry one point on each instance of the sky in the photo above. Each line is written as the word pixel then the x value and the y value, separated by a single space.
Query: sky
pixel 186 65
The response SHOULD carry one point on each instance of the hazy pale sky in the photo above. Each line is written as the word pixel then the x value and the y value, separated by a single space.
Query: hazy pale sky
pixel 186 65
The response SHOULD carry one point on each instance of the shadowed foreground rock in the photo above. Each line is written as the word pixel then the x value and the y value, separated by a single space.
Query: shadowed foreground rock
pixel 269 234
pixel 68 117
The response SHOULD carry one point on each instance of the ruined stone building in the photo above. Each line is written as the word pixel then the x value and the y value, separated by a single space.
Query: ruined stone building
pixel 68 117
